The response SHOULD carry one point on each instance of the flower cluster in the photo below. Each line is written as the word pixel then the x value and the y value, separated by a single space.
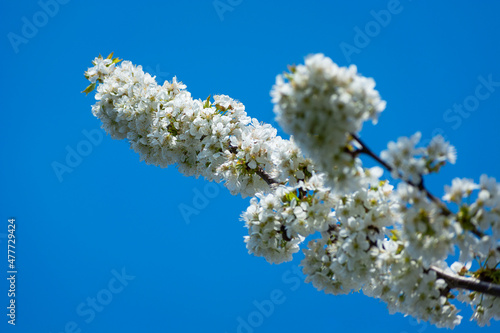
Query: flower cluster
pixel 391 244
pixel 279 221
pixel 479 221
pixel 428 234
pixel 410 163
pixel 407 287
pixel 356 254
pixel 485 307
pixel 345 257
pixel 102 68
pixel 215 140
pixel 322 104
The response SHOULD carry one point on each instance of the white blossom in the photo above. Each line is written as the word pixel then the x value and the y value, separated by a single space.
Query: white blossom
pixel 217 140
pixel 279 221
pixel 410 162
pixel 322 105
pixel 364 234
pixel 460 189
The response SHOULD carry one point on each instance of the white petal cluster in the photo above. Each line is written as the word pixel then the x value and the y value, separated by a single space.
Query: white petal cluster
pixel 428 234
pixel 356 254
pixel 321 104
pixel 410 162
pixel 292 165
pixel 487 206
pixel 102 68
pixel 440 151
pixel 374 239
pixel 217 140
pixel 317 265
pixel 279 221
pixel 407 287
pixel 480 220
pixel 485 307
pixel 253 150
pixel 345 258
pixel 459 190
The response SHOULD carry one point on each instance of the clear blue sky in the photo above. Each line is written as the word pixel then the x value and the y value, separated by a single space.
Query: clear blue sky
pixel 113 213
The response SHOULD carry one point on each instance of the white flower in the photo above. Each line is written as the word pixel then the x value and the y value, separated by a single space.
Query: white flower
pixel 460 268
pixel 321 105
pixel 410 162
pixel 440 150
pixel 279 221
pixel 372 238
pixel 102 67
pixel 460 189
pixel 217 141
pixel 402 156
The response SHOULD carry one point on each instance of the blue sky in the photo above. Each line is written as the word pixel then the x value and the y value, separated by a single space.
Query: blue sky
pixel 111 229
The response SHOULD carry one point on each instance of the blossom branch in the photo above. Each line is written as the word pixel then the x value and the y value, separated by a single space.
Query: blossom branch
pixel 366 150
pixel 219 142
pixel 453 281
pixel 470 283
pixel 265 177
pixel 261 173
pixel 445 210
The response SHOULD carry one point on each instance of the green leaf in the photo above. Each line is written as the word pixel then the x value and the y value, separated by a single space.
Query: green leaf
pixel 89 89
pixel 394 235
pixel 290 196
pixel 207 102
pixel 110 56
pixel 116 60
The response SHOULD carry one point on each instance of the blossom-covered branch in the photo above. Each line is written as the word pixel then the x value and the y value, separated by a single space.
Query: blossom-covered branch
pixel 420 185
pixel 468 283
pixel 364 235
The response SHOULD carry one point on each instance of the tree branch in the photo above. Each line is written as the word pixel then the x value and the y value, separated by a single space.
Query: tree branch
pixel 470 283
pixel 453 281
pixel 444 209
pixel 260 172
pixel 266 177
pixel 365 150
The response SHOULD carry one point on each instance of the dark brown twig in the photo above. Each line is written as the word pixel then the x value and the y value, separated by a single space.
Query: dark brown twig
pixel 469 283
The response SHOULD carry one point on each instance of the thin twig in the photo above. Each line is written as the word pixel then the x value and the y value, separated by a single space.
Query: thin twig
pixel 365 150
pixel 260 172
pixel 270 181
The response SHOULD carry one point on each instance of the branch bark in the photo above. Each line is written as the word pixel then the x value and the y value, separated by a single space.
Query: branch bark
pixel 469 283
